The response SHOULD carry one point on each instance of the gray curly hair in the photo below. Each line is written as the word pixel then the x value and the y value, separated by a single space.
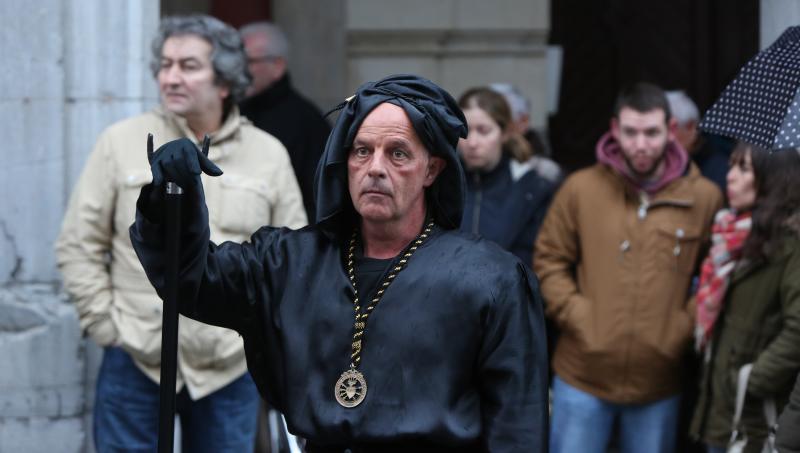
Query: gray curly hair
pixel 227 57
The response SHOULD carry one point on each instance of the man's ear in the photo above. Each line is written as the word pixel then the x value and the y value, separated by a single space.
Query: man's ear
pixel 224 92
pixel 280 67
pixel 672 127
pixel 614 124
pixel 435 166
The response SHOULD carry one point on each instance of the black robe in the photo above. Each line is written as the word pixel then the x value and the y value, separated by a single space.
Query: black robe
pixel 454 354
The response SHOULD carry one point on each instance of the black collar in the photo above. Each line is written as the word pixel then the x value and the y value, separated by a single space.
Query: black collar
pixel 275 92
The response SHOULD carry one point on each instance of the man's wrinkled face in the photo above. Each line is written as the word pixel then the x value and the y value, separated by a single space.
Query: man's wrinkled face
pixel 186 77
pixel 389 168
pixel 643 138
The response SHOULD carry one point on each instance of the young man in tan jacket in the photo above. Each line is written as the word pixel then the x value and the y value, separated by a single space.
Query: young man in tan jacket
pixel 200 66
pixel 616 256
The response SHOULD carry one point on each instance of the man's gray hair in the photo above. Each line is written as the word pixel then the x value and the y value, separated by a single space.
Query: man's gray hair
pixel 682 107
pixel 227 55
pixel 276 38
pixel 517 101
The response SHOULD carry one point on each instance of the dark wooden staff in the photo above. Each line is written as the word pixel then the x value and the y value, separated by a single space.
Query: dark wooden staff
pixel 169 326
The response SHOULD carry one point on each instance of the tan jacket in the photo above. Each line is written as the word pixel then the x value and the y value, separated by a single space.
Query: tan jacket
pixel 115 302
pixel 615 274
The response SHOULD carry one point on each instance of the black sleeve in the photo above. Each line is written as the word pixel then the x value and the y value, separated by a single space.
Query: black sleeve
pixel 513 369
pixel 223 285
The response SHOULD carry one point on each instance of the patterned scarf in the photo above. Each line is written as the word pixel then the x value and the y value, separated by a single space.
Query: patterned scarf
pixel 727 239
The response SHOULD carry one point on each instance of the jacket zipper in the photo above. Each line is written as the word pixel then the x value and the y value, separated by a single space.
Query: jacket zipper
pixel 476 211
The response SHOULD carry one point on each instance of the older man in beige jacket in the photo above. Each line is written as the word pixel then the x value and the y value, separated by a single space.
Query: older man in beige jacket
pixel 201 75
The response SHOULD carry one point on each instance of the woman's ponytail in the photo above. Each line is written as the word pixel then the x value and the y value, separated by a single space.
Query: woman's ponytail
pixel 518 147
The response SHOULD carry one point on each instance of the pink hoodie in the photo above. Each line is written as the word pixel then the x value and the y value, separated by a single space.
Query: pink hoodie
pixel 676 158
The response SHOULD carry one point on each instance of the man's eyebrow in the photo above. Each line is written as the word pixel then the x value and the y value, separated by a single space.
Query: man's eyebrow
pixel 398 141
pixel 359 141
pixel 182 60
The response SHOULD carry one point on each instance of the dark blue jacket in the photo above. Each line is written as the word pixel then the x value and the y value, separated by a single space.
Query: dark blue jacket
pixel 507 206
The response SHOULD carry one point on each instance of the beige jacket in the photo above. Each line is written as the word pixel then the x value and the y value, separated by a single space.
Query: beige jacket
pixel 115 302
pixel 615 274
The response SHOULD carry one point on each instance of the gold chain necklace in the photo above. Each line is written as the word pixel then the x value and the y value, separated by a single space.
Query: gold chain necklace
pixel 351 388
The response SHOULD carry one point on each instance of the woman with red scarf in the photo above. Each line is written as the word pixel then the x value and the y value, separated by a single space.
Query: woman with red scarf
pixel 748 301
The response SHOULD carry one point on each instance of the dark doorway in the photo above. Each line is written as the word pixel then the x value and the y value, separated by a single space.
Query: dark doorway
pixel 694 45
pixel 233 12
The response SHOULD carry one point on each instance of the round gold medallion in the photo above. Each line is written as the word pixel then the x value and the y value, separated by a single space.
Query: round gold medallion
pixel 351 388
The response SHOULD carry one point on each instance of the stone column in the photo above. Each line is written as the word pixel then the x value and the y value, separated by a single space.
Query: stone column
pixel 70 69
pixel 317 52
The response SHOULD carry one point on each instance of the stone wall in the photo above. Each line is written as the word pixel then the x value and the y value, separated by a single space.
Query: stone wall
pixel 69 70
pixel 456 43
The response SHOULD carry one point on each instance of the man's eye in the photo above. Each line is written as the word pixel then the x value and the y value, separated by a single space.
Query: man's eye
pixel 399 154
pixel 361 152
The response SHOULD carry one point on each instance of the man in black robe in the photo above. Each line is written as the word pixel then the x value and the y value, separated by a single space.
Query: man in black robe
pixel 380 328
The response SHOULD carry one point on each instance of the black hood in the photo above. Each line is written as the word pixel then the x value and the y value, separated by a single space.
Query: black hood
pixel 438 121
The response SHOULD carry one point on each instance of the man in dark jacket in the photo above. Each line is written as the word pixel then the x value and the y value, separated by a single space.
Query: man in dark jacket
pixel 380 328
pixel 274 106
pixel 710 152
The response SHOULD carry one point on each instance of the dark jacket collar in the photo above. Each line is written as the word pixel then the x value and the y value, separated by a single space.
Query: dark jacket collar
pixel 275 92
pixel 487 177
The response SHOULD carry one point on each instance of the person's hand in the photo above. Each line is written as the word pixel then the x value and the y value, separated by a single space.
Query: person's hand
pixel 180 161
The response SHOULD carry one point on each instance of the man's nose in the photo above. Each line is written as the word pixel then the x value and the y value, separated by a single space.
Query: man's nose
pixel 640 141
pixel 377 164
pixel 172 75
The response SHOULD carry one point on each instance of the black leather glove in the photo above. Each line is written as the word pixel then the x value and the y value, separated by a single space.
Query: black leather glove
pixel 180 161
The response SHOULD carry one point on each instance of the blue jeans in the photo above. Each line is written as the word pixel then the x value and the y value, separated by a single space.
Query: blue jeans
pixel 126 412
pixel 583 423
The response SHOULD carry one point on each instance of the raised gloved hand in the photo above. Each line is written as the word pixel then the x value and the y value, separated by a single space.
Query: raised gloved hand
pixel 180 161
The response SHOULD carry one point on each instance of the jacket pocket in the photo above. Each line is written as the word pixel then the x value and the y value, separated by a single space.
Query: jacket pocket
pixel 745 350
pixel 243 204
pixel 676 248
pixel 129 189
pixel 577 320
pixel 676 338
pixel 209 347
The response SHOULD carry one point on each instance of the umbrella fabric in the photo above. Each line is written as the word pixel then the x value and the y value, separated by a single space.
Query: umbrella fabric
pixel 762 104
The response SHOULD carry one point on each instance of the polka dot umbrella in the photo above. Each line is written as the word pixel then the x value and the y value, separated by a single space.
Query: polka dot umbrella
pixel 762 104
